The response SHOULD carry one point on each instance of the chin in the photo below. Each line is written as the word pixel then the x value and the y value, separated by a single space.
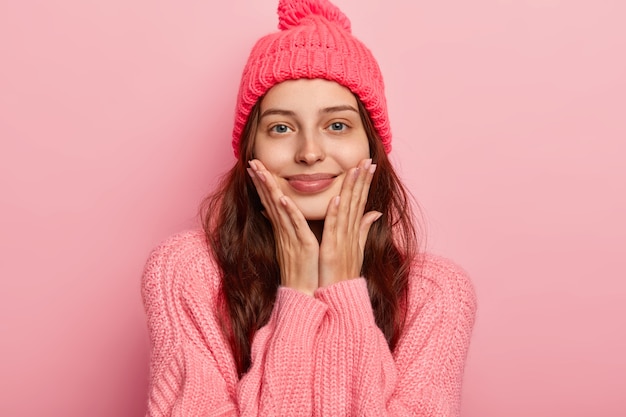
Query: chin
pixel 315 218
pixel 312 215
pixel 313 210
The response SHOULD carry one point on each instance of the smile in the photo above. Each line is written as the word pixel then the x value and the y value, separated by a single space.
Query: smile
pixel 311 183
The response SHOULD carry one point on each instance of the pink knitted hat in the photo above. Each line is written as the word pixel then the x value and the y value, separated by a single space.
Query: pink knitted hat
pixel 314 41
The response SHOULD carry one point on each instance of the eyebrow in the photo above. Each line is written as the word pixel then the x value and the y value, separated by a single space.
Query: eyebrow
pixel 280 112
pixel 332 109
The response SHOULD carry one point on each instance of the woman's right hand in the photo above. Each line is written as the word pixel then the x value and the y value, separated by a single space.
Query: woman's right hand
pixel 297 248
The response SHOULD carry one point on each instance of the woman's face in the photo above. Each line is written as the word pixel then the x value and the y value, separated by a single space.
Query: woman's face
pixel 308 136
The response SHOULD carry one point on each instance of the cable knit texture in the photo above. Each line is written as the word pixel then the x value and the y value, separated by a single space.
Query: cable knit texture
pixel 314 41
pixel 317 356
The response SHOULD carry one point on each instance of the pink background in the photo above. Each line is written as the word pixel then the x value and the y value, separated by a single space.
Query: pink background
pixel 509 121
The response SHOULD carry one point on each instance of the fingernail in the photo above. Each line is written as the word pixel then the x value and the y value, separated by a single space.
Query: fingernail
pixel 283 201
pixel 337 200
pixel 372 168
pixel 378 216
pixel 367 163
pixel 260 175
pixel 250 172
pixel 356 172
pixel 252 165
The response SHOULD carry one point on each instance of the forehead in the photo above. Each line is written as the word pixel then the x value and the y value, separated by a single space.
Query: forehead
pixel 305 94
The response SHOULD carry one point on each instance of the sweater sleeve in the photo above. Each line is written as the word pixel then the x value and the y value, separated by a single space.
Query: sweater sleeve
pixel 423 376
pixel 192 371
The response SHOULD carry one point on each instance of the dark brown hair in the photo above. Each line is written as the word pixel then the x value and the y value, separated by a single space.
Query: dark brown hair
pixel 242 241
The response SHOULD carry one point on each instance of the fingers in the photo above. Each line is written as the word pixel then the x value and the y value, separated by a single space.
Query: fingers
pixel 366 223
pixel 330 222
pixel 346 227
pixel 353 197
pixel 270 195
pixel 362 189
pixel 259 179
pixel 280 209
pixel 297 250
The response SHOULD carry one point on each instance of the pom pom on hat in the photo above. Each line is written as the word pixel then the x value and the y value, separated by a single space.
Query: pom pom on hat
pixel 314 41
pixel 292 12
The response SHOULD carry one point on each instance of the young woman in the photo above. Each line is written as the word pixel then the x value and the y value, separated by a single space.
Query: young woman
pixel 304 295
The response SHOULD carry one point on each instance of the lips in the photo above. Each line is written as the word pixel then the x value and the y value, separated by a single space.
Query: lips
pixel 311 183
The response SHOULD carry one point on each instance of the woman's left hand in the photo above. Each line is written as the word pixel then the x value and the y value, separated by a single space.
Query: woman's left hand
pixel 346 227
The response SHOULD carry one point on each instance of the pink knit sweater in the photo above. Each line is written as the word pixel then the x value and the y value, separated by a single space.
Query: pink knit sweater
pixel 317 356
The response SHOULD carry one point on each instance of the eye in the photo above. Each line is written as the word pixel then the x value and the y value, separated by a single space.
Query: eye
pixel 338 126
pixel 280 128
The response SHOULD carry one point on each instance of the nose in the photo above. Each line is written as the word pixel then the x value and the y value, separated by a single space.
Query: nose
pixel 310 149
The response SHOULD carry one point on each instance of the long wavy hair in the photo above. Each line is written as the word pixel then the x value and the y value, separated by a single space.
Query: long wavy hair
pixel 242 241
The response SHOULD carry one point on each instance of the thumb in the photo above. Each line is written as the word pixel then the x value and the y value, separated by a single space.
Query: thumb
pixel 366 222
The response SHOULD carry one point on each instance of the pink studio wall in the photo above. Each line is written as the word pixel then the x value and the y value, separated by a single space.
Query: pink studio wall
pixel 509 121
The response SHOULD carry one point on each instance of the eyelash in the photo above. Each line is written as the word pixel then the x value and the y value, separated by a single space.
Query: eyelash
pixel 273 128
pixel 343 127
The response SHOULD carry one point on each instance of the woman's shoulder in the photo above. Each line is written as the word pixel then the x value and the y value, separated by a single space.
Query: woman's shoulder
pixel 183 244
pixel 182 248
pixel 183 261
pixel 435 276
